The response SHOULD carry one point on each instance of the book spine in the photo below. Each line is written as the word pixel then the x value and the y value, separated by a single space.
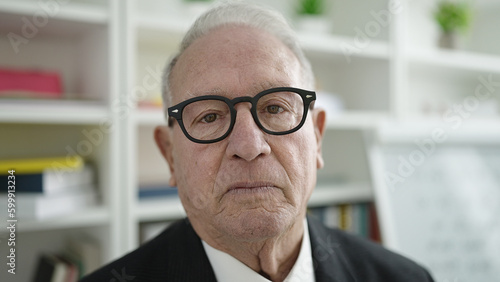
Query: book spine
pixel 39 165
pixel 364 220
pixel 51 182
pixel 25 183
pixel 345 217
pixel 373 223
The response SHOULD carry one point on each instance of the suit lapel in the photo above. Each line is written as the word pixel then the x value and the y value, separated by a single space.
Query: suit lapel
pixel 189 260
pixel 330 264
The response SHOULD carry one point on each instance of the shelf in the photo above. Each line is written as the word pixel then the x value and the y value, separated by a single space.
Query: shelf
pixel 487 3
pixel 355 120
pixel 152 116
pixel 457 59
pixel 167 208
pixel 156 15
pixel 343 45
pixel 477 131
pixel 328 195
pixel 71 11
pixel 53 112
pixel 86 218
pixel 168 24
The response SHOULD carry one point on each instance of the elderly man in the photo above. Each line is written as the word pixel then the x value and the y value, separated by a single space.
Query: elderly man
pixel 243 145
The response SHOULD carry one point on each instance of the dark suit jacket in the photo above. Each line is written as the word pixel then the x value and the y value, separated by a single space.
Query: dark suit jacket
pixel 177 254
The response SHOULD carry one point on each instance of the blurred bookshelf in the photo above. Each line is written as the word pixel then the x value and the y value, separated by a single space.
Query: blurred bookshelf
pixel 77 40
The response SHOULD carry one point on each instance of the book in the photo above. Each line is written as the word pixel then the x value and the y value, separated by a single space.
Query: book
pixel 84 252
pixel 331 216
pixel 38 165
pixel 364 220
pixel 374 227
pixel 40 206
pixel 30 84
pixel 345 217
pixel 50 268
pixel 71 271
pixel 50 181
pixel 80 256
pixel 45 269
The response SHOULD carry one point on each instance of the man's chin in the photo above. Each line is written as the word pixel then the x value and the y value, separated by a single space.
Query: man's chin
pixel 257 224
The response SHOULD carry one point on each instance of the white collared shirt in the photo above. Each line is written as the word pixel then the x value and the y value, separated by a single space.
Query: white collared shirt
pixel 228 268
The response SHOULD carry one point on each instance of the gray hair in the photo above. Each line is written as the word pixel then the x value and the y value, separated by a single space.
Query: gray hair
pixel 238 13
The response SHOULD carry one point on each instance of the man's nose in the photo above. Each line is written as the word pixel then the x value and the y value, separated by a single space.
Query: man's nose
pixel 246 141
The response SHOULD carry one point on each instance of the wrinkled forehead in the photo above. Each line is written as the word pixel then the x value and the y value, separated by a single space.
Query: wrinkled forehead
pixel 232 57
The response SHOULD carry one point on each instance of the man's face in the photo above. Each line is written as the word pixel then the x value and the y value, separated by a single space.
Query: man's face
pixel 251 185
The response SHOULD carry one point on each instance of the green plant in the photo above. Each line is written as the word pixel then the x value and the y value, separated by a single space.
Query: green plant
pixel 311 7
pixel 453 16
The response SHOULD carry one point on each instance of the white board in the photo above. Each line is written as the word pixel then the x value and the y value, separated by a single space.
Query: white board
pixel 441 209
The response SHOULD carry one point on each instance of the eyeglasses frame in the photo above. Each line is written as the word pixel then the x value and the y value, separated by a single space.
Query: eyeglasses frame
pixel 176 111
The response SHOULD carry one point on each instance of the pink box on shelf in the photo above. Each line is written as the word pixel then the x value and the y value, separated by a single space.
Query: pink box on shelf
pixel 30 84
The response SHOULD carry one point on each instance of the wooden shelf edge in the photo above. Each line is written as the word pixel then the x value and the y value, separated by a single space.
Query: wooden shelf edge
pixel 327 195
pixel 92 216
pixel 149 116
pixel 475 131
pixel 175 26
pixel 465 60
pixel 75 12
pixel 166 208
pixel 53 112
pixel 344 45
pixel 356 120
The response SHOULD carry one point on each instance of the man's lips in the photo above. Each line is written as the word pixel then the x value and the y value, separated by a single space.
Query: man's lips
pixel 247 186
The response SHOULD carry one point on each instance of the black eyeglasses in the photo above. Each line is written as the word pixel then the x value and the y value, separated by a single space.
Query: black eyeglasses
pixel 211 118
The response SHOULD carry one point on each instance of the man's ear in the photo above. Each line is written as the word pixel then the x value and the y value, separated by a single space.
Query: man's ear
pixel 319 119
pixel 163 140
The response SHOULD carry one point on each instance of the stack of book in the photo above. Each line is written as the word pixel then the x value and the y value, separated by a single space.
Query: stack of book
pixel 47 187
pixel 81 256
pixel 359 218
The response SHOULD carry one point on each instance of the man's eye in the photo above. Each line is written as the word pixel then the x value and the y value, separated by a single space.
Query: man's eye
pixel 209 118
pixel 273 109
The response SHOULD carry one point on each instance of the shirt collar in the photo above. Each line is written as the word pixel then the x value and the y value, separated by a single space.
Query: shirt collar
pixel 228 268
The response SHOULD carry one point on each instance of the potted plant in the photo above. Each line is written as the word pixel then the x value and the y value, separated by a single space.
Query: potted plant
pixel 452 17
pixel 311 7
pixel 311 16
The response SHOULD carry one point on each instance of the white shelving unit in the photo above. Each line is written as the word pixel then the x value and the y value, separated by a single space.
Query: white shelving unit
pixel 79 40
pixel 111 55
pixel 437 79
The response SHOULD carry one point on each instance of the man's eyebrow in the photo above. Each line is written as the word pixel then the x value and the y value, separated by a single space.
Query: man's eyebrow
pixel 214 91
pixel 270 84
pixel 265 85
